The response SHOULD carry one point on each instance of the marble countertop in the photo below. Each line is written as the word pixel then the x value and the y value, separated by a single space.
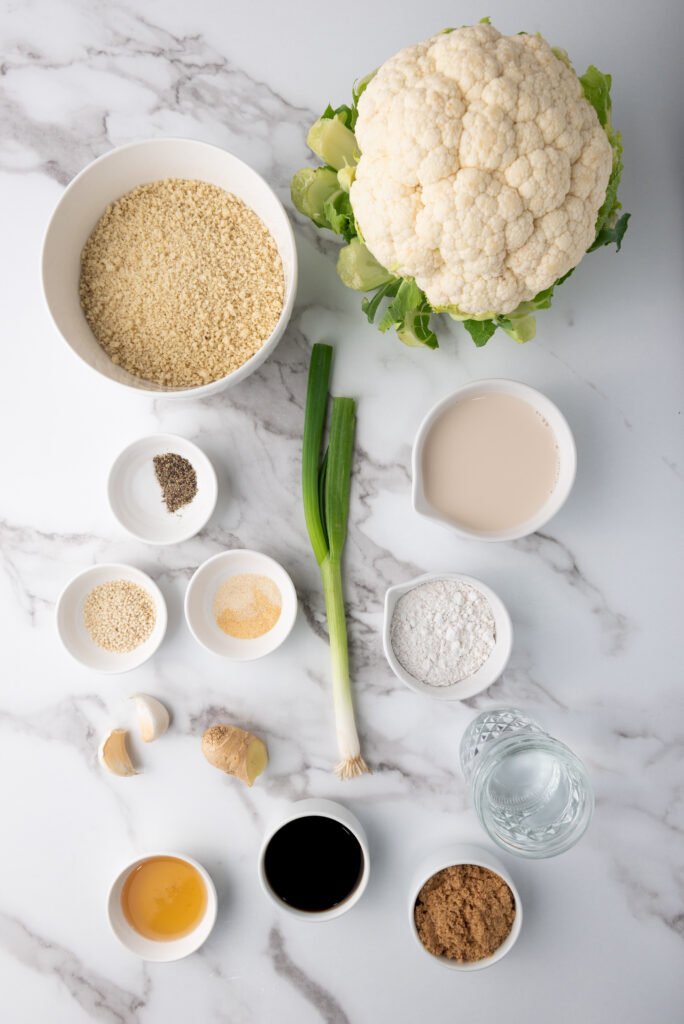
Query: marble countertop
pixel 595 598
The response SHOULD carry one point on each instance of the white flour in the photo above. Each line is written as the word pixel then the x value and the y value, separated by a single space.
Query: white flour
pixel 442 632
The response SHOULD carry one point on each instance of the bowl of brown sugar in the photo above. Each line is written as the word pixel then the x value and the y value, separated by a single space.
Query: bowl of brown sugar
pixel 169 267
pixel 464 908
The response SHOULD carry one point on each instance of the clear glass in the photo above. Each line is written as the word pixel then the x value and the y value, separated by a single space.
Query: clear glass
pixel 531 793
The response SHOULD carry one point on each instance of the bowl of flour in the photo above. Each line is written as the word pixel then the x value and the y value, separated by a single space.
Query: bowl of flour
pixel 446 635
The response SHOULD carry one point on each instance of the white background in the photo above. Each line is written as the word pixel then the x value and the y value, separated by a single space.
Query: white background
pixel 595 600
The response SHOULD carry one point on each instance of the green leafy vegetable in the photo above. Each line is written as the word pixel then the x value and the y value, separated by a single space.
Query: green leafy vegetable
pixel 331 140
pixel 409 312
pixel 357 92
pixel 310 189
pixel 610 228
pixel 326 481
pixel 596 89
pixel 386 291
pixel 480 330
pixel 521 328
pixel 359 269
pixel 346 176
pixel 611 235
pixel 339 214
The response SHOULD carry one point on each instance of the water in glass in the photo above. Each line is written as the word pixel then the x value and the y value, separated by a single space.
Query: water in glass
pixel 531 793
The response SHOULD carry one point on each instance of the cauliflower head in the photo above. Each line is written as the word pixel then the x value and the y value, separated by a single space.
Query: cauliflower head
pixel 469 176
pixel 482 168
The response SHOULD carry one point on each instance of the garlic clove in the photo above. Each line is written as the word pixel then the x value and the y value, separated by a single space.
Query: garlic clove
pixel 113 754
pixel 153 718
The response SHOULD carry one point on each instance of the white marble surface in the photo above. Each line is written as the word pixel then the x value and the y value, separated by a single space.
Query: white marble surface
pixel 595 599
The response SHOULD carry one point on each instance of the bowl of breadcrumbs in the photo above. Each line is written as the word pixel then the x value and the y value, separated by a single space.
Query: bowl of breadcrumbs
pixel 464 909
pixel 169 266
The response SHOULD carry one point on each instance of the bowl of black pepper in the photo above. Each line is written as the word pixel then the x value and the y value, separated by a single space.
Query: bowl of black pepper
pixel 162 489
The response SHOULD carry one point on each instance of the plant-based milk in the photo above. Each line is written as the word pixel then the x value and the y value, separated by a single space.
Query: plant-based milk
pixel 490 463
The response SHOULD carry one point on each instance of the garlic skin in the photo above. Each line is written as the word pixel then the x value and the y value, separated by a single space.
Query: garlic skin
pixel 153 718
pixel 113 754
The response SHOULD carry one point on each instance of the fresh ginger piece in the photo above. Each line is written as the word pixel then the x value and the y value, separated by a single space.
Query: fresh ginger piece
pixel 235 751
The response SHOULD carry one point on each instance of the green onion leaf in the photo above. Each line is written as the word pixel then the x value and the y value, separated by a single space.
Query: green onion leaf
pixel 338 473
pixel 314 426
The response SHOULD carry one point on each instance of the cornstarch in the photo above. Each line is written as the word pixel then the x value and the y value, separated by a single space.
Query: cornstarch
pixel 442 631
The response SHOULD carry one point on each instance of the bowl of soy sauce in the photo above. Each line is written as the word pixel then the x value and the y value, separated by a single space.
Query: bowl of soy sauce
pixel 314 860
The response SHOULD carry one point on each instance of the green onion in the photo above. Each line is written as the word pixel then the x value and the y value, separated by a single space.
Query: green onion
pixel 326 480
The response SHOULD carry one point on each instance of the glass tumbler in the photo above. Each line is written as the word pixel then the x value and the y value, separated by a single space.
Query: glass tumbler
pixel 531 793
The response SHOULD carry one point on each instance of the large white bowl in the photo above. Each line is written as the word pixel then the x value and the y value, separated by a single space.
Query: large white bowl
pixel 567 457
pixel 111 176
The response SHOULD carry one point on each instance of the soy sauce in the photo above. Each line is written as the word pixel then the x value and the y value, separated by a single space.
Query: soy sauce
pixel 313 863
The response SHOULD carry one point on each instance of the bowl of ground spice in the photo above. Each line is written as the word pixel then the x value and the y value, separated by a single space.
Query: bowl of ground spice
pixel 464 908
pixel 241 604
pixel 169 266
pixel 111 617
pixel 162 489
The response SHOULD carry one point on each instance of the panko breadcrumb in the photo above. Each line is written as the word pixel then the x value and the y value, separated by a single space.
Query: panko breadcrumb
pixel 181 282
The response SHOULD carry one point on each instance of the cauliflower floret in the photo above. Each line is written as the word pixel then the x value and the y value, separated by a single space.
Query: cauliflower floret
pixel 482 168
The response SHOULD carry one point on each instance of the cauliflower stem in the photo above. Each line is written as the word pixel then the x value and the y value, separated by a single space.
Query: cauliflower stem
pixel 397 301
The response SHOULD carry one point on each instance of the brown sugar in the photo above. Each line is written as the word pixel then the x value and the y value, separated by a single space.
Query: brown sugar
pixel 464 912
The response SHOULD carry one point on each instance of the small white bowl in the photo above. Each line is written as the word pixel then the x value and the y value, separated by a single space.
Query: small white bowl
pixel 450 857
pixel 567 457
pixel 493 666
pixel 314 807
pixel 75 636
pixel 149 949
pixel 199 604
pixel 108 178
pixel 135 496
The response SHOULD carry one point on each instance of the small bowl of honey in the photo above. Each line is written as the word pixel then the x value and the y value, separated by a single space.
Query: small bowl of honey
pixel 162 906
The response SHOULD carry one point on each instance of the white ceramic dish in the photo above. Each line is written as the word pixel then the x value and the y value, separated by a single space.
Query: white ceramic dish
pixel 149 949
pixel 449 857
pixel 326 809
pixel 199 601
pixel 72 630
pixel 493 666
pixel 135 496
pixel 567 457
pixel 107 179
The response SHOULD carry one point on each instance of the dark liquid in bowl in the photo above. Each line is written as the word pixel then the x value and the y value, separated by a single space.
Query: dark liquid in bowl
pixel 313 863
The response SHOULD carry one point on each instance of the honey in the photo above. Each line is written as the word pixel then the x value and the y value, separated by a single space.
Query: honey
pixel 164 898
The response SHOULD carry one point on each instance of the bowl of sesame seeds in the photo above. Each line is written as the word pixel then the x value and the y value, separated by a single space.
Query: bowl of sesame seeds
pixel 169 267
pixel 111 617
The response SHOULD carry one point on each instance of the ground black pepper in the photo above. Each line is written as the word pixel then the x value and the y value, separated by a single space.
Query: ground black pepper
pixel 177 480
